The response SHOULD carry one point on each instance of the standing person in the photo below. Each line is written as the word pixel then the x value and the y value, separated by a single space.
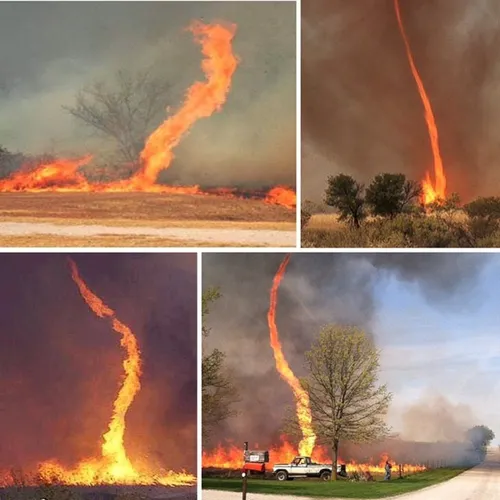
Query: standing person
pixel 388 468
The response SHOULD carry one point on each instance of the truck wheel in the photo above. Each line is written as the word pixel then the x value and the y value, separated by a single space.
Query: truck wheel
pixel 281 475
pixel 325 475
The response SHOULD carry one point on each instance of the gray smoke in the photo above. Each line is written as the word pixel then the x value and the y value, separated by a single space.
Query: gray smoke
pixel 48 52
pixel 361 110
pixel 435 418
pixel 317 289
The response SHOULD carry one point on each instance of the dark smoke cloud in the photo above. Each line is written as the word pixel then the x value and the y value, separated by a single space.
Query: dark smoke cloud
pixel 49 51
pixel 361 112
pixel 317 289
pixel 60 365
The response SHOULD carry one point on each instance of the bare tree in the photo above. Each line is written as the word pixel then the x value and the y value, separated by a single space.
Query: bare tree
pixel 346 402
pixel 126 111
pixel 218 391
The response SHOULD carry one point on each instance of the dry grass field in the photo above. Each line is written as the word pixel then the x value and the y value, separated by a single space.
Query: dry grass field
pixel 454 229
pixel 141 220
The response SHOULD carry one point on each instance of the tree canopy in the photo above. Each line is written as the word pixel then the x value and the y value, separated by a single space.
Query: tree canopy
pixel 218 392
pixel 346 401
pixel 346 195
pixel 124 110
pixel 389 194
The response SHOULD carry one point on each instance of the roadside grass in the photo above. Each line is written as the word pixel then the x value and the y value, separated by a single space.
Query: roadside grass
pixel 341 488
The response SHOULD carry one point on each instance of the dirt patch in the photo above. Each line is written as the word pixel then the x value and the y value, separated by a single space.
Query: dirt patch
pixel 173 236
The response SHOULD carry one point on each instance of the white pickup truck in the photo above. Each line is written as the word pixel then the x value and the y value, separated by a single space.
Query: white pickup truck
pixel 305 467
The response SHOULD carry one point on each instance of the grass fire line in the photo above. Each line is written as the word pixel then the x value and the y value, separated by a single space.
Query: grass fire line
pixel 202 99
pixel 114 466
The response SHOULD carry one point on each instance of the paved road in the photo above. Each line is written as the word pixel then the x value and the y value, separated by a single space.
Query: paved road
pixel 241 237
pixel 480 483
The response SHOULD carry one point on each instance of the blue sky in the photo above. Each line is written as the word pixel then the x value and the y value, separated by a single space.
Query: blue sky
pixel 447 347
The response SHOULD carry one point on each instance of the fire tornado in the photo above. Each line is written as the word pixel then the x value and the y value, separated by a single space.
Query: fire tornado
pixel 303 409
pixel 438 190
pixel 114 466
pixel 202 100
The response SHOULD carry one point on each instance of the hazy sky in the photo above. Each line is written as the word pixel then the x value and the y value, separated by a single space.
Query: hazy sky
pixel 452 351
pixel 361 111
pixel 434 316
pixel 50 50
pixel 61 365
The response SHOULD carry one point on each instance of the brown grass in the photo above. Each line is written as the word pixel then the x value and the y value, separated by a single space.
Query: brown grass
pixel 326 222
pixel 144 209
pixel 104 240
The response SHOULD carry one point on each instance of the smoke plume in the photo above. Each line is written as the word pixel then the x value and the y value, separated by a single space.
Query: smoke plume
pixel 434 418
pixel 51 51
pixel 361 112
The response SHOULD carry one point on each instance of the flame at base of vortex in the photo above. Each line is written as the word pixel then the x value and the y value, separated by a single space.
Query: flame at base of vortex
pixel 303 410
pixel 230 457
pixel 114 466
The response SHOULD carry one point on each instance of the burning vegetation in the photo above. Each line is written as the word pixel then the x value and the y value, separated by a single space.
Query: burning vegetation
pixel 348 418
pixel 115 465
pixel 339 378
pixel 202 100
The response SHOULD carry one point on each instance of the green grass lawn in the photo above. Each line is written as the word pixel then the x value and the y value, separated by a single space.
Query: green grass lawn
pixel 341 488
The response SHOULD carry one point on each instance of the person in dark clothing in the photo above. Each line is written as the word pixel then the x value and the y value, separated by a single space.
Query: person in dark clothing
pixel 388 469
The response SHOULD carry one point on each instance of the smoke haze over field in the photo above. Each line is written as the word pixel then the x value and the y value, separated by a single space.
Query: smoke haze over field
pixel 425 311
pixel 61 365
pixel 50 51
pixel 361 112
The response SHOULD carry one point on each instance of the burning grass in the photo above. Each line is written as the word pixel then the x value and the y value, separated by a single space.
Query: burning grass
pixel 341 488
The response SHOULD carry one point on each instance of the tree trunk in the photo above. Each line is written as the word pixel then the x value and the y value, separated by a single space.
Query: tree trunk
pixel 335 455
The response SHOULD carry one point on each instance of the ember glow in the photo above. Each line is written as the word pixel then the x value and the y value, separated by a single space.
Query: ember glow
pixel 437 190
pixel 231 457
pixel 201 101
pixel 114 466
pixel 303 409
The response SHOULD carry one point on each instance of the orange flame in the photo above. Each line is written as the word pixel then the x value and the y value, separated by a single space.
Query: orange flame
pixel 114 466
pixel 202 100
pixel 231 457
pixel 303 410
pixel 281 195
pixel 438 190
pixel 59 175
